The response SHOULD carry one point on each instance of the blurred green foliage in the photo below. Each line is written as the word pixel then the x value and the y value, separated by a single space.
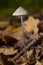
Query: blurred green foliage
pixel 8 6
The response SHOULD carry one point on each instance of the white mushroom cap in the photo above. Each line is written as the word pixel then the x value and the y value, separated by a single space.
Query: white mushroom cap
pixel 20 12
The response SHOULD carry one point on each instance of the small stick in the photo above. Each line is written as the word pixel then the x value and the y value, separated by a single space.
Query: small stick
pixel 28 46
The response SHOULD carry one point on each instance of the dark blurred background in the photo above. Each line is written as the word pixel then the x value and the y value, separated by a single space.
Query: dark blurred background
pixel 7 7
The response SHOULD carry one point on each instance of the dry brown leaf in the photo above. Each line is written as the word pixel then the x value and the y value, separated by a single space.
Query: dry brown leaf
pixel 38 63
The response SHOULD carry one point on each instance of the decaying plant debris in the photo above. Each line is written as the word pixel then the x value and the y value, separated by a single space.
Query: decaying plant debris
pixel 17 56
pixel 12 51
